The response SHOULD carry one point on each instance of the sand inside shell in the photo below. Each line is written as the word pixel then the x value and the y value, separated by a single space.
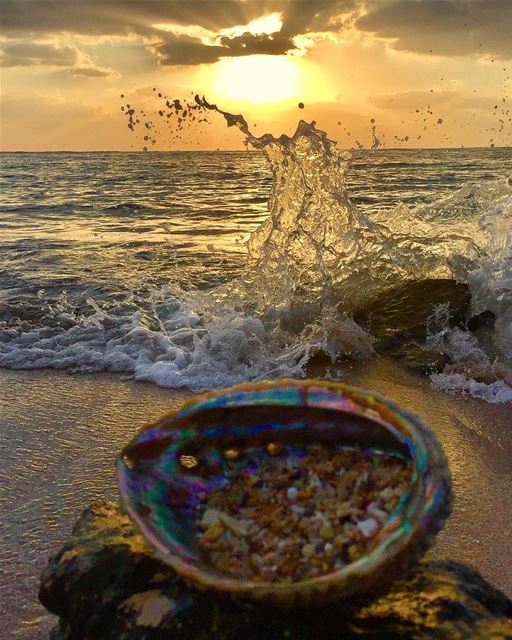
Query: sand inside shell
pixel 288 514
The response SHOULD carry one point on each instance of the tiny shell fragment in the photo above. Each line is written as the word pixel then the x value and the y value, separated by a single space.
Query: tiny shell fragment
pixel 368 527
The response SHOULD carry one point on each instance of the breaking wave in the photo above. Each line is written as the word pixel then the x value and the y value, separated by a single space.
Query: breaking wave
pixel 310 267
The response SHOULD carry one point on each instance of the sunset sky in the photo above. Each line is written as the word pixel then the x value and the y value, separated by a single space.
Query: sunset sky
pixel 430 73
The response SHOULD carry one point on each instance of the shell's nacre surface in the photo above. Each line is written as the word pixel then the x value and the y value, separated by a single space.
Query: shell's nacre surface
pixel 173 463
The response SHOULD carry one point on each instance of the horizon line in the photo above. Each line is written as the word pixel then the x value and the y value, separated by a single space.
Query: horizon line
pixel 382 148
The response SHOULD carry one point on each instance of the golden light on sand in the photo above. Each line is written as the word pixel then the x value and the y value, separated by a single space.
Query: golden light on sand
pixel 258 79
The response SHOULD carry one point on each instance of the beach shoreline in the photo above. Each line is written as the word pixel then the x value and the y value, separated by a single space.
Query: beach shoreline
pixel 62 432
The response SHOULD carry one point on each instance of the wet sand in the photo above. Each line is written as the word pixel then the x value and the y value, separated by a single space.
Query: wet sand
pixel 60 434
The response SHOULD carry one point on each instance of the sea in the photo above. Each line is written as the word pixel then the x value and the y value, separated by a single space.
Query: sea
pixel 203 269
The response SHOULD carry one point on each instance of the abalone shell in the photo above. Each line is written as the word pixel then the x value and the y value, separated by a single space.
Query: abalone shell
pixel 173 461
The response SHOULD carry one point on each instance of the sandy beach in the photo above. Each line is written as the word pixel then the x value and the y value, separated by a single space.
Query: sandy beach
pixel 61 433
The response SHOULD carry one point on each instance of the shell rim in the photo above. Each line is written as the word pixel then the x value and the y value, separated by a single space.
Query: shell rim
pixel 205 576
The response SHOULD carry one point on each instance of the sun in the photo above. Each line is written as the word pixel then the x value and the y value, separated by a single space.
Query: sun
pixel 258 79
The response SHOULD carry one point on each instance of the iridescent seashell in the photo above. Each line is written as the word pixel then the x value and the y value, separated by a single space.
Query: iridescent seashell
pixel 180 457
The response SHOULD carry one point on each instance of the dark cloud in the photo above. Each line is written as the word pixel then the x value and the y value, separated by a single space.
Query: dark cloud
pixel 179 49
pixel 299 17
pixel 183 50
pixel 443 27
pixel 248 44
pixel 26 54
pixel 139 17
pixel 136 16
pixel 321 16
pixel 120 17
pixel 74 63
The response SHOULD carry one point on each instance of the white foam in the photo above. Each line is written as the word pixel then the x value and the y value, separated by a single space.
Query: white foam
pixel 495 393
pixel 183 340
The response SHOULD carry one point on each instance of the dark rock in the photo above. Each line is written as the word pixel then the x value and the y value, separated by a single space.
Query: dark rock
pixel 20 311
pixel 106 584
pixel 486 320
pixel 413 355
pixel 424 360
pixel 405 310
pixel 482 326
pixel 398 320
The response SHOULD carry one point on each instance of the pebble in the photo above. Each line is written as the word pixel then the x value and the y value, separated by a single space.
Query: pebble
pixel 314 481
pixel 297 516
pixel 381 515
pixel 368 527
pixel 292 493
pixel 274 448
pixel 239 527
pixel 209 517
pixel 213 532
pixel 326 532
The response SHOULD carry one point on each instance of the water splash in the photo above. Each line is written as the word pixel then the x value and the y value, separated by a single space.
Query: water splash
pixel 310 265
pixel 318 248
pixel 317 252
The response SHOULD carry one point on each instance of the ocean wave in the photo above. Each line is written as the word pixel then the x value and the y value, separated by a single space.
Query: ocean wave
pixel 125 208
pixel 311 265
pixel 203 339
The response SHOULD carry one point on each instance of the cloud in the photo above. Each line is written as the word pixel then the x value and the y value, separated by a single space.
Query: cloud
pixel 136 16
pixel 249 44
pixel 33 54
pixel 28 54
pixel 316 16
pixel 298 17
pixel 121 17
pixel 93 72
pixel 443 27
pixel 159 22
pixel 178 49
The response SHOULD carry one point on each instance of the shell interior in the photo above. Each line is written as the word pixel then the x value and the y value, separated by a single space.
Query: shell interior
pixel 170 464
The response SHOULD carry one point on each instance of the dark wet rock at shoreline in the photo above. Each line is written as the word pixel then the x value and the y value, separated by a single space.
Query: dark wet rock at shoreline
pixel 398 321
pixel 106 584
pixel 404 311
pixel 412 355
